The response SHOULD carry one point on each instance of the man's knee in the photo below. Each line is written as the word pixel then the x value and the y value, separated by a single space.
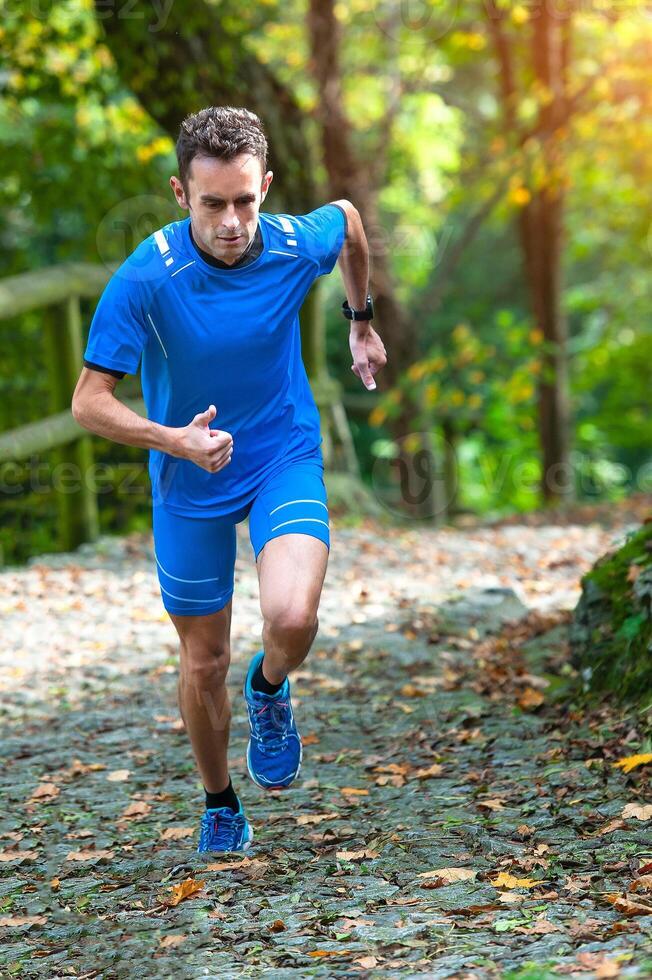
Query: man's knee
pixel 204 665
pixel 293 623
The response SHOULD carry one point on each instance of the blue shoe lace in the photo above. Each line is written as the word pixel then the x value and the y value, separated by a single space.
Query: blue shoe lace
pixel 270 725
pixel 220 829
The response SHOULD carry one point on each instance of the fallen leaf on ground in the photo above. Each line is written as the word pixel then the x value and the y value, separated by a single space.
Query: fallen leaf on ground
pixel 136 809
pixel 185 889
pixel 311 818
pixel 448 875
pixel 177 833
pixel 428 773
pixel 119 775
pixel 412 691
pixel 10 921
pixel 530 698
pixel 628 906
pixel 493 804
pixel 630 762
pixel 354 923
pixel 169 941
pixel 505 880
pixel 17 855
pixel 356 855
pixel 643 884
pixel 88 855
pixel 354 791
pixel 541 926
pixel 608 828
pixel 330 952
pixel 638 811
pixel 45 790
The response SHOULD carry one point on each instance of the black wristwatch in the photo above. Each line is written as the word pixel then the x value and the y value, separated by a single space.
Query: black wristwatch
pixel 366 314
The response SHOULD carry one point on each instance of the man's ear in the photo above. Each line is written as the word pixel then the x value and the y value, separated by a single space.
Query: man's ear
pixel 179 193
pixel 267 179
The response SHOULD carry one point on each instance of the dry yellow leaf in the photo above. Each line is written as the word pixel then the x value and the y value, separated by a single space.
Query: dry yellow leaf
pixel 310 818
pixel 638 811
pixel 356 855
pixel 177 833
pixel 309 739
pixel 330 952
pixel 10 921
pixel 530 698
pixel 171 940
pixel 45 790
pixel 136 809
pixel 88 855
pixel 277 926
pixel 627 906
pixel 15 855
pixel 642 884
pixel 505 880
pixel 185 889
pixel 412 691
pixel 354 791
pixel 119 775
pixel 390 780
pixel 428 773
pixel 400 768
pixel 55 884
pixel 630 762
pixel 449 875
pixel 493 804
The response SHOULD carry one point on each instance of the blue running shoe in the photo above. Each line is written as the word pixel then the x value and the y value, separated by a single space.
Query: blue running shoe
pixel 223 830
pixel 274 750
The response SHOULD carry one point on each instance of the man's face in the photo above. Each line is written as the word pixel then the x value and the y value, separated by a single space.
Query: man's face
pixel 224 198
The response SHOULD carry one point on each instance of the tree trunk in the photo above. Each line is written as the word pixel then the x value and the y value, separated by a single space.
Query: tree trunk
pixel 349 177
pixel 540 226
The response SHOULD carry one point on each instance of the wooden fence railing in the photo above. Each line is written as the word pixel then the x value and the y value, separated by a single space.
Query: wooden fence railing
pixel 57 291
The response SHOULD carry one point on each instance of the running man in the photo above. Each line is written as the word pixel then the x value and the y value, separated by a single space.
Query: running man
pixel 211 304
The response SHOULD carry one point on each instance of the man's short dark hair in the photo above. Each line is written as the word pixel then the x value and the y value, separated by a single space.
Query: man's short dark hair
pixel 222 132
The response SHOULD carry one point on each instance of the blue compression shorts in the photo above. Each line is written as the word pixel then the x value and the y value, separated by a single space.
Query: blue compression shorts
pixel 195 556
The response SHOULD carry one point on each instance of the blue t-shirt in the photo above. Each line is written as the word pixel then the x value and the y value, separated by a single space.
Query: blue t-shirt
pixel 227 337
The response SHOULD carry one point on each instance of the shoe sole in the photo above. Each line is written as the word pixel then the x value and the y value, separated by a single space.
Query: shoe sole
pixel 246 844
pixel 283 785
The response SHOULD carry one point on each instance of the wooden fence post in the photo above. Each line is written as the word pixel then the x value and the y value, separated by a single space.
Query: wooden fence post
pixel 76 499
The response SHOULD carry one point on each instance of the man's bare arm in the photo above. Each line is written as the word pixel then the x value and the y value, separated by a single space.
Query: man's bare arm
pixel 367 349
pixel 95 407
pixel 354 258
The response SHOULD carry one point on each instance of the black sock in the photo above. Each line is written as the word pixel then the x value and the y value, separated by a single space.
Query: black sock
pixel 260 683
pixel 228 797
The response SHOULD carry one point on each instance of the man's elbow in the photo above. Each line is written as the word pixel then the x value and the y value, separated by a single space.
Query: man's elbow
pixel 79 412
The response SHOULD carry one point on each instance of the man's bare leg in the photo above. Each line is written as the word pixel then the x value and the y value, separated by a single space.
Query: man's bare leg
pixel 291 572
pixel 203 698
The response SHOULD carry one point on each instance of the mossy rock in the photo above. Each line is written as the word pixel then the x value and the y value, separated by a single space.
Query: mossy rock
pixel 611 632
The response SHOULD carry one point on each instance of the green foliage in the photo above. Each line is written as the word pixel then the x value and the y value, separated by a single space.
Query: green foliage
pixel 612 630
